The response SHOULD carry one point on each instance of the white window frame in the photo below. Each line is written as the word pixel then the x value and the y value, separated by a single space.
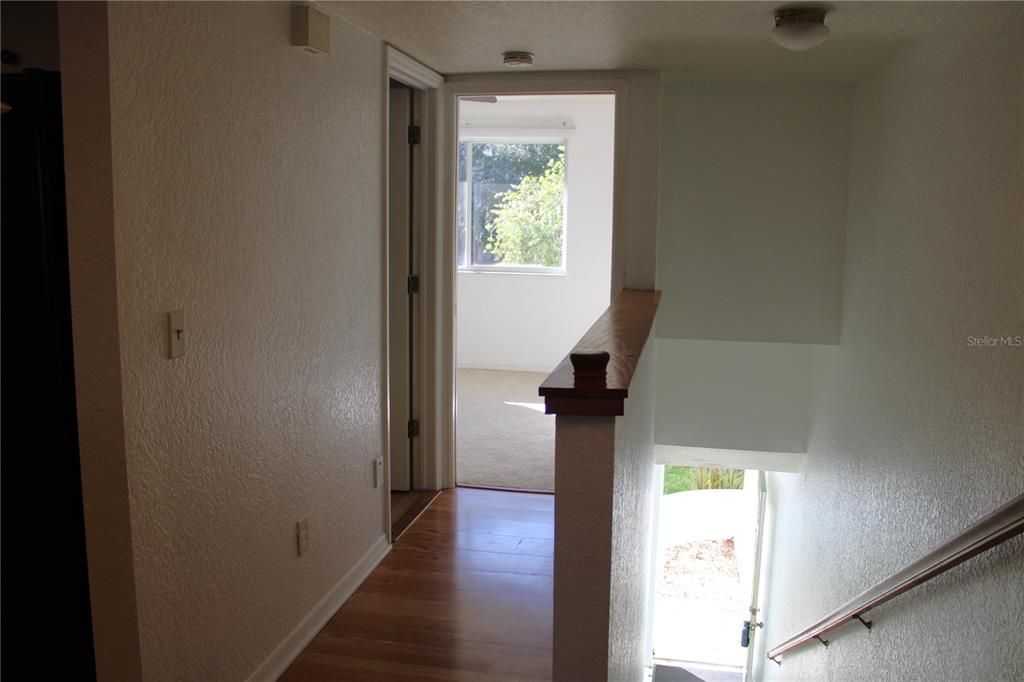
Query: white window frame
pixel 519 135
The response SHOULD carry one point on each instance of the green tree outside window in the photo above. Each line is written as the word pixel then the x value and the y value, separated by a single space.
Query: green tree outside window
pixel 526 225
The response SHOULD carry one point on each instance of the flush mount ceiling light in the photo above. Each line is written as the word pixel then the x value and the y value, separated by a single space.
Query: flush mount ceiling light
pixel 800 28
pixel 517 59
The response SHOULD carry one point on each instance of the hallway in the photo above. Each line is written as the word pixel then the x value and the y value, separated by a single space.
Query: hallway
pixel 465 594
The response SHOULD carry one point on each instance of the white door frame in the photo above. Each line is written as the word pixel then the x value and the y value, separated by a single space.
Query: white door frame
pixel 634 221
pixel 755 611
pixel 425 82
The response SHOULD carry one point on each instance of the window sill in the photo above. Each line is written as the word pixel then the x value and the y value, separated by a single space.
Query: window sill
pixel 493 270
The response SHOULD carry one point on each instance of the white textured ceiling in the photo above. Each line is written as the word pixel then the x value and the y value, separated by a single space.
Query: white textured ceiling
pixel 700 40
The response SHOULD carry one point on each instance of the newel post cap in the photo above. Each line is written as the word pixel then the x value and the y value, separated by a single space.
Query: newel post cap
pixel 590 367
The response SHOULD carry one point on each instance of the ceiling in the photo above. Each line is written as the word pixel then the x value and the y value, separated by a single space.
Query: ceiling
pixel 692 40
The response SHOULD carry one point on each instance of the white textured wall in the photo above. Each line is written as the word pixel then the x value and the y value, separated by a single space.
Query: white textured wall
pixel 750 249
pixel 604 469
pixel 584 485
pixel 919 433
pixel 634 261
pixel 248 191
pixel 738 395
pixel 632 519
pixel 529 322
pixel 753 206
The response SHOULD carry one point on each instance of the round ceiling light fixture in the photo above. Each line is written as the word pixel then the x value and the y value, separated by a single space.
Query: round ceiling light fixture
pixel 517 58
pixel 800 28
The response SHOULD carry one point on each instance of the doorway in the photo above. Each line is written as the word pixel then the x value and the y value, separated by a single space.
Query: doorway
pixel 41 466
pixel 533 255
pixel 707 577
pixel 404 138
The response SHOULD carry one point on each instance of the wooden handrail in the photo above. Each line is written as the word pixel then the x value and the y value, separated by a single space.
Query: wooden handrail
pixel 987 532
pixel 578 385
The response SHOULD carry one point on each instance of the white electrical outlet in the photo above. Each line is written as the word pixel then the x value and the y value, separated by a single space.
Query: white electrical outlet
pixel 378 472
pixel 302 535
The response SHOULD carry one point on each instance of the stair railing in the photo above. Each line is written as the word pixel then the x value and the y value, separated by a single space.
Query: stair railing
pixel 989 531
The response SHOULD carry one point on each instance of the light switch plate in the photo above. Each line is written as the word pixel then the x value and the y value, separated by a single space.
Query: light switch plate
pixel 176 333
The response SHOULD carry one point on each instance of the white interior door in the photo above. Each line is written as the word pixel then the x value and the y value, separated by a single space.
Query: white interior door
pixel 399 311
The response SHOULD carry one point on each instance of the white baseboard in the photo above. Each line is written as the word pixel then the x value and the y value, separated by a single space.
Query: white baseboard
pixel 292 645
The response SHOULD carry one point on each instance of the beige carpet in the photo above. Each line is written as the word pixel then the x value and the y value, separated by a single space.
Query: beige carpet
pixel 503 437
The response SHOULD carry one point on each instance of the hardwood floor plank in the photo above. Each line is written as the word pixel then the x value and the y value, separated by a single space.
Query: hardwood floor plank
pixel 524 529
pixel 500 498
pixel 334 667
pixel 483 541
pixel 465 594
pixel 428 558
pixel 422 584
pixel 502 544
pixel 470 657
pixel 424 630
pixel 406 506
pixel 454 626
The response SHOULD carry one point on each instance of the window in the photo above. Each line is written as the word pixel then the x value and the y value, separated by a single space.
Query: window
pixel 511 205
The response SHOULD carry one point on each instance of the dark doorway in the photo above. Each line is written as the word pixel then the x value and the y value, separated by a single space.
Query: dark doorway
pixel 46 615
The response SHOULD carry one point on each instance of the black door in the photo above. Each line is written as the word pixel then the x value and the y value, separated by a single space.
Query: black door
pixel 45 577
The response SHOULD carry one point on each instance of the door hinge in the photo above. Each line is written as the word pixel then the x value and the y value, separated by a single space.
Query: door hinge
pixel 414 134
pixel 414 428
pixel 412 285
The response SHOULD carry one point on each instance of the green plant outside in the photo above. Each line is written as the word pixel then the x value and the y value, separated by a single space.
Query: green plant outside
pixel 680 479
pixel 526 227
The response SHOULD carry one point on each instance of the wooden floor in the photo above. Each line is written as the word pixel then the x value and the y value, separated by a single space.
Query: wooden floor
pixel 406 506
pixel 465 594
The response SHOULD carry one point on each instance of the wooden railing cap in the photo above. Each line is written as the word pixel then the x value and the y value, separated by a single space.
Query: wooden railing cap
pixel 594 378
